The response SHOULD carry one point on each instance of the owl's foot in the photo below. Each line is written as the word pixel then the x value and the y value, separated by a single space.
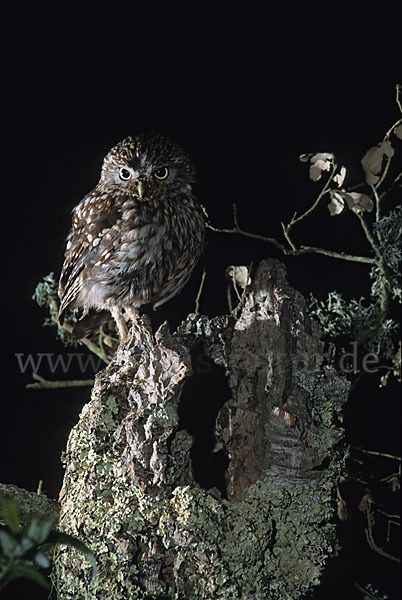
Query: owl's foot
pixel 120 323
pixel 133 313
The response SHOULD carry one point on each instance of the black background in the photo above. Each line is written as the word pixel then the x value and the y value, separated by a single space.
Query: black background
pixel 246 93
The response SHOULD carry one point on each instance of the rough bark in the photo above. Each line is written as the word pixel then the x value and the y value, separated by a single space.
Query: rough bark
pixel 129 490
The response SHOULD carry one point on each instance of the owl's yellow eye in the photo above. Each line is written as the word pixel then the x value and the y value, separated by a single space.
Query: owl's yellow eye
pixel 124 174
pixel 161 173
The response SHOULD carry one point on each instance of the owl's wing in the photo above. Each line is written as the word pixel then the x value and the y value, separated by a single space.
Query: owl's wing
pixel 92 217
pixel 70 283
pixel 95 237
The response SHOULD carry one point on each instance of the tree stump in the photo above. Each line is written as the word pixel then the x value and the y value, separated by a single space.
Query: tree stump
pixel 130 492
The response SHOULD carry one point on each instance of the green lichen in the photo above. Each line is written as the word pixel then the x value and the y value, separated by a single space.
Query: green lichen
pixel 179 541
pixel 327 394
pixel 276 540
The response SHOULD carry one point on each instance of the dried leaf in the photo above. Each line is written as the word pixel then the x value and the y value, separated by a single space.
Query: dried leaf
pixel 336 205
pixel 398 131
pixel 305 157
pixel 358 203
pixel 327 156
pixel 320 162
pixel 315 173
pixel 239 275
pixel 340 177
pixel 372 161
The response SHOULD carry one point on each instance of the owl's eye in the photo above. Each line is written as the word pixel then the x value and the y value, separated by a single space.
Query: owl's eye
pixel 124 174
pixel 161 173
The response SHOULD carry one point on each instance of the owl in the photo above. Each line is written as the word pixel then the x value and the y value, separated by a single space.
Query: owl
pixel 136 237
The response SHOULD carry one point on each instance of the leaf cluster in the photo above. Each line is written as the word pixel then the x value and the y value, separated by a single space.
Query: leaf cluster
pixel 24 549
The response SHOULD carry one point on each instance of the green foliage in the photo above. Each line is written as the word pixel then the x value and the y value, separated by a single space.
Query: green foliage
pixel 357 320
pixel 366 321
pixel 46 296
pixel 23 549
pixel 102 342
pixel 388 231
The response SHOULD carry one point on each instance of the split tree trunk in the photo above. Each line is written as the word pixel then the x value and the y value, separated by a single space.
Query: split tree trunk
pixel 129 490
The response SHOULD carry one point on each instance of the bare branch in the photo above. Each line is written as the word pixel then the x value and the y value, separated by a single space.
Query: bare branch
pixel 376 453
pixel 297 251
pixel 308 212
pixel 197 298
pixel 43 384
pixel 370 537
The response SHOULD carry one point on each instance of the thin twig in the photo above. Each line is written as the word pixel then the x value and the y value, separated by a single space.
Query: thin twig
pixel 325 190
pixel 235 218
pixel 198 296
pixel 376 453
pixel 364 591
pixel 229 297
pixel 255 236
pixel 370 538
pixel 340 255
pixel 388 515
pixel 390 130
pixel 368 234
pixel 42 384
pixel 385 171
pixel 285 229
pixel 394 185
pixel 391 522
pixel 377 206
pixel 296 251
pixel 398 88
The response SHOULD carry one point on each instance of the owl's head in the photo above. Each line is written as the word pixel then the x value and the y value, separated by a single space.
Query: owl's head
pixel 147 165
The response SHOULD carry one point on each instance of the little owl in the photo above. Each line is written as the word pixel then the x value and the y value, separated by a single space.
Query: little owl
pixel 137 235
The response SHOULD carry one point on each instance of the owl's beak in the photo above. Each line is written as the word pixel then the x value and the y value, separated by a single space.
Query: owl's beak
pixel 140 189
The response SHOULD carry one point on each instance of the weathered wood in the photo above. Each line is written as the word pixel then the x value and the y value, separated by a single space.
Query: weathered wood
pixel 129 490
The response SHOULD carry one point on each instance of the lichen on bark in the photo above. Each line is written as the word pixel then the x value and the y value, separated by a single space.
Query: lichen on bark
pixel 129 490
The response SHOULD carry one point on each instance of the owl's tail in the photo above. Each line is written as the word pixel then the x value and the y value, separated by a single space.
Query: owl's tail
pixel 89 323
